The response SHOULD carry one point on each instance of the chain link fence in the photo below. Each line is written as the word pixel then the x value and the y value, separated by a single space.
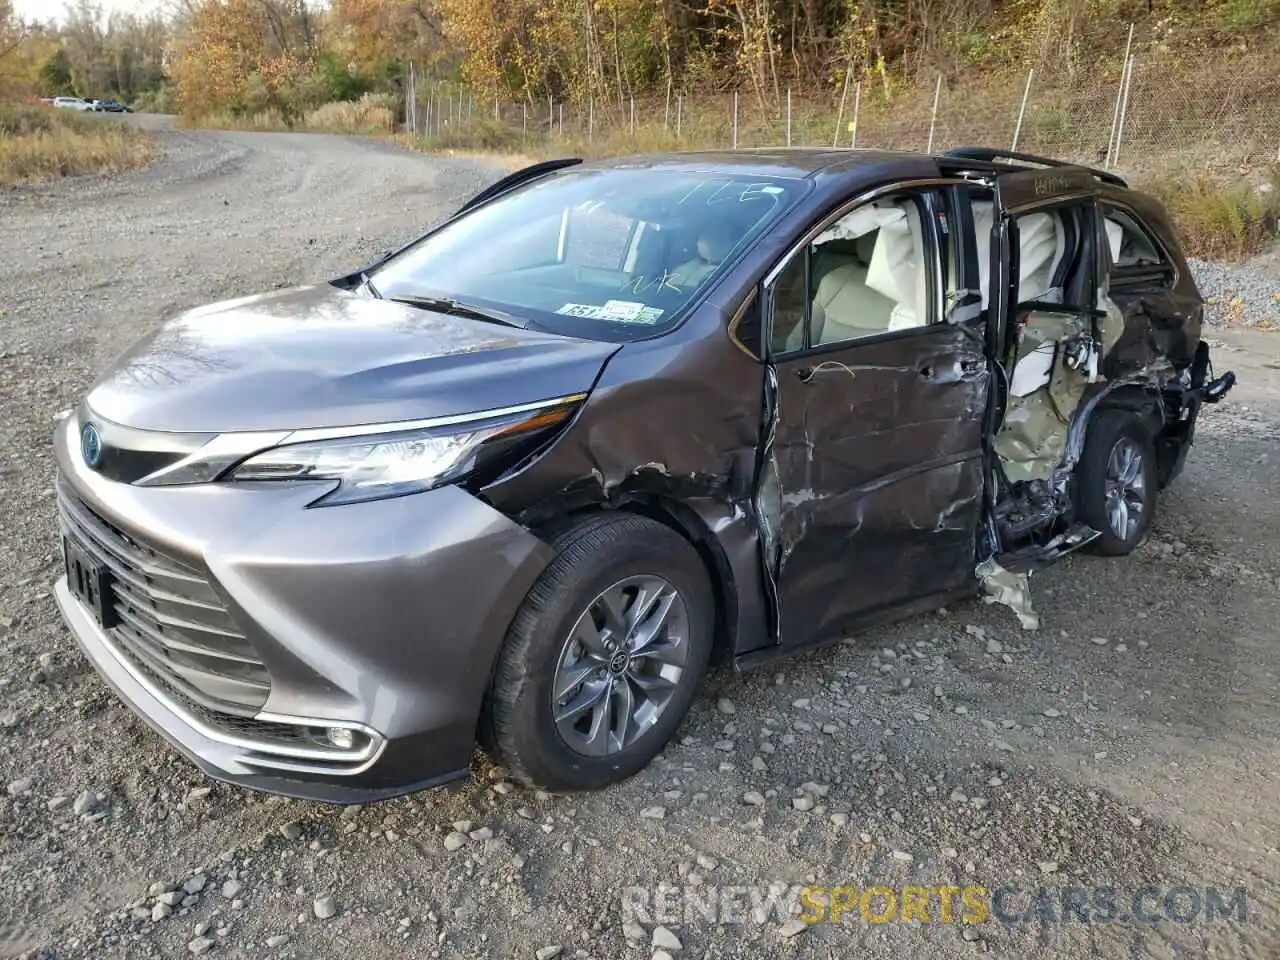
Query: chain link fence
pixel 1155 105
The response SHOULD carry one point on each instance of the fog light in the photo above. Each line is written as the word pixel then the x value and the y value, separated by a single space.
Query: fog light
pixel 341 737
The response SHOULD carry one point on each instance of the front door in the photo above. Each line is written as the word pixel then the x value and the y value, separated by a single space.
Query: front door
pixel 872 486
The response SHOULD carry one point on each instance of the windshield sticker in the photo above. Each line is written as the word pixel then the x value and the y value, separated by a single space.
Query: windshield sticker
pixel 619 311
pixel 580 310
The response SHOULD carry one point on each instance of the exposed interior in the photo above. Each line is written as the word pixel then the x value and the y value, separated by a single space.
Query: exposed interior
pixel 1052 355
pixel 867 276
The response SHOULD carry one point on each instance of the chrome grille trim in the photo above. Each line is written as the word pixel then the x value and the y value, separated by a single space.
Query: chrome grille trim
pixel 171 617
pixel 181 648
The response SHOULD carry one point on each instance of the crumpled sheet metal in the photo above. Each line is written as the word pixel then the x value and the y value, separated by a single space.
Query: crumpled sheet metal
pixel 1012 590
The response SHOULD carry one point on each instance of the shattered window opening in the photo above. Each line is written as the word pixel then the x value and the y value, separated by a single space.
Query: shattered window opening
pixel 1128 244
pixel 873 271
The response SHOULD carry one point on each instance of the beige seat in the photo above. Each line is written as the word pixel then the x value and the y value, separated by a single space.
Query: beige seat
pixel 714 243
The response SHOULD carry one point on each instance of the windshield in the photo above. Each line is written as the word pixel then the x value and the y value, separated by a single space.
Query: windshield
pixel 613 254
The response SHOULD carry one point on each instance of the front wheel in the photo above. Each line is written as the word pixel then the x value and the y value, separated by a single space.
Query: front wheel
pixel 604 657
pixel 1117 481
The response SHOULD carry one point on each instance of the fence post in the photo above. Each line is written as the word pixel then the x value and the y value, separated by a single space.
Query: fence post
pixel 633 118
pixel 844 95
pixel 1115 115
pixel 788 116
pixel 735 119
pixel 857 109
pixel 561 105
pixel 524 121
pixel 411 102
pixel 1022 111
pixel 679 113
pixel 591 121
pixel 933 119
pixel 551 115
pixel 666 113
pixel 1124 113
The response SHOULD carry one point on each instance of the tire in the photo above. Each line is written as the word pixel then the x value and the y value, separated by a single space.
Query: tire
pixel 593 558
pixel 1103 499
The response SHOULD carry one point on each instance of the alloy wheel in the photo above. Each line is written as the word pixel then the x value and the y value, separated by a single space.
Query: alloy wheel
pixel 620 665
pixel 1126 488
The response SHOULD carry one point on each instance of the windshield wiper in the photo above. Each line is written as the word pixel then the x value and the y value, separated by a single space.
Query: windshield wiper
pixel 457 308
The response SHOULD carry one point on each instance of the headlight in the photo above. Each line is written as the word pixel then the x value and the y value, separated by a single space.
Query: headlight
pixel 374 467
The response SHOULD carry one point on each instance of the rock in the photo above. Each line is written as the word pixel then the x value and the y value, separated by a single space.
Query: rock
pixel 482 834
pixel 758 764
pixel 1100 641
pixel 840 819
pixel 725 706
pixel 1052 713
pixel 661 955
pixel 549 953
pixel 1048 866
pixel 86 804
pixel 653 813
pixel 231 889
pixel 793 928
pixel 455 841
pixel 664 939
pixel 970 934
pixel 278 940
pixel 994 646
pixel 1120 648
pixel 160 911
pixel 291 831
pixel 20 786
pixel 196 883
pixel 752 798
pixel 803 804
pixel 802 703
pixel 503 787
pixel 200 945
pixel 902 855
pixel 324 908
pixel 633 932
pixel 171 897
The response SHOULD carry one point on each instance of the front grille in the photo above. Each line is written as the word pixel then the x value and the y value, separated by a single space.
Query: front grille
pixel 172 623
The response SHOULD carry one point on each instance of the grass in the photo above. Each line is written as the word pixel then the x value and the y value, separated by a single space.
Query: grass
pixel 1223 218
pixel 45 143
pixel 371 115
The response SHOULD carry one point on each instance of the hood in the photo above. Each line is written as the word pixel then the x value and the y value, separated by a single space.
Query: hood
pixel 318 356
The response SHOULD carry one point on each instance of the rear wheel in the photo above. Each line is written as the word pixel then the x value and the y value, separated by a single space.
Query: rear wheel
pixel 604 657
pixel 1116 481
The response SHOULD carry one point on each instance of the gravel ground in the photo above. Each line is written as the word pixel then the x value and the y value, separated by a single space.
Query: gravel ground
pixel 1132 741
pixel 1245 294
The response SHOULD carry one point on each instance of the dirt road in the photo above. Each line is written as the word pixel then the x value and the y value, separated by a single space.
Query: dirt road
pixel 1133 741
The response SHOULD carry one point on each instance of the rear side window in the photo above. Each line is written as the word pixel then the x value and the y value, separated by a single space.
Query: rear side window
pixel 1129 244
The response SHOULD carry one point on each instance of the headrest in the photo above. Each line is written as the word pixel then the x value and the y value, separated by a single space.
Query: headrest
pixel 714 242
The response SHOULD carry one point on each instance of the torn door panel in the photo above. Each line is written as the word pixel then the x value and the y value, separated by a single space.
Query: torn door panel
pixel 1058 358
pixel 872 484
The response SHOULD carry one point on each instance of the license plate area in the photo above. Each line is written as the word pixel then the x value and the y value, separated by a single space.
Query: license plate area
pixel 90 583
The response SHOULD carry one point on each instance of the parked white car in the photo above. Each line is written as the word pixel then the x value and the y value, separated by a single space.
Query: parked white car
pixel 74 103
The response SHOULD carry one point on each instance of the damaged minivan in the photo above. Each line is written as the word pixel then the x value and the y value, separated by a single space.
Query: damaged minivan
pixel 519 482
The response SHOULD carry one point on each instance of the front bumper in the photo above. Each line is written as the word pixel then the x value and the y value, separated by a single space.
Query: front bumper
pixel 383 619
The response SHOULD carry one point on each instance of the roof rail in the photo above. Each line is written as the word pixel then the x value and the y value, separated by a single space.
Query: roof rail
pixel 991 155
